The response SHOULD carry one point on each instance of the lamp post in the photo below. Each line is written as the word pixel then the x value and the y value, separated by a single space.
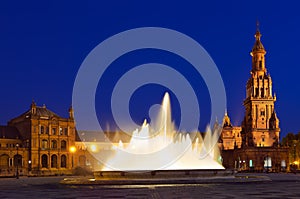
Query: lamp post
pixel 17 161
pixel 29 166
pixel 267 164
pixel 294 152
pixel 72 150
pixel 295 162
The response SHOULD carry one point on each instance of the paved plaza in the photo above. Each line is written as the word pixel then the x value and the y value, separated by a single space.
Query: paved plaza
pixel 279 186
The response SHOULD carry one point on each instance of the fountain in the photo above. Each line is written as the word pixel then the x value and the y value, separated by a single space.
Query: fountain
pixel 158 154
pixel 161 147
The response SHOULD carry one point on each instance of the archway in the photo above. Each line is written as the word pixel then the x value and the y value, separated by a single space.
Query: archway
pixel 63 162
pixel 44 161
pixel 54 161
pixel 4 161
pixel 267 163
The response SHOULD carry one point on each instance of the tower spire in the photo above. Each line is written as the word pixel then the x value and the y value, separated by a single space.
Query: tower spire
pixel 257 34
pixel 258 54
pixel 260 123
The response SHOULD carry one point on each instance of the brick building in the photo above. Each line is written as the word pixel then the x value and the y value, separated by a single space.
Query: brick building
pixel 44 141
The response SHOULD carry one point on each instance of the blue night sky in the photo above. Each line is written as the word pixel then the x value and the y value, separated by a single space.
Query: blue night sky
pixel 42 46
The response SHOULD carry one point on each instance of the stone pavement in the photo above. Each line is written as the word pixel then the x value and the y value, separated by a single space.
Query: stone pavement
pixel 280 186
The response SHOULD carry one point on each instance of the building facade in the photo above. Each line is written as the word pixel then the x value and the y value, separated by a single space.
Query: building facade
pixel 44 142
pixel 40 142
pixel 231 135
pixel 257 145
pixel 260 125
pixel 11 152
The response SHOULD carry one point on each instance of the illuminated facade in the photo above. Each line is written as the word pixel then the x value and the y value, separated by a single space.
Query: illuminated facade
pixel 12 152
pixel 231 135
pixel 260 125
pixel 44 141
pixel 40 142
pixel 255 145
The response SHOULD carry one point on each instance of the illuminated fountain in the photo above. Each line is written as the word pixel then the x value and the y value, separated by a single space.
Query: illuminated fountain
pixel 161 147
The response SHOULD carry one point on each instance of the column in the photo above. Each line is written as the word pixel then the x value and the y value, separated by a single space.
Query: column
pixel 267 116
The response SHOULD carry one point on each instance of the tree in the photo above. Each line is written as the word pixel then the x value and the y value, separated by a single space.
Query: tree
pixel 292 141
pixel 288 140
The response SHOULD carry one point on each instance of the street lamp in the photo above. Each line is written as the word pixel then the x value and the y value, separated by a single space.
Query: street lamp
pixel 267 159
pixel 17 161
pixel 29 166
pixel 72 150
pixel 294 152
pixel 93 148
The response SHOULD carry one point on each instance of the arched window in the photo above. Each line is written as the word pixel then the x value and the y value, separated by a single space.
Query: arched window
pixel 63 144
pixel 44 161
pixel 53 144
pixel 18 160
pixel 4 161
pixel 44 144
pixel 63 162
pixel 54 161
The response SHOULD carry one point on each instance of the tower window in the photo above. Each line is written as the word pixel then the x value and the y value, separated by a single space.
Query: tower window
pixel 262 113
pixel 260 64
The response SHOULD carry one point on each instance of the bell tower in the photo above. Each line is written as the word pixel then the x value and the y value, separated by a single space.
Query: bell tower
pixel 260 125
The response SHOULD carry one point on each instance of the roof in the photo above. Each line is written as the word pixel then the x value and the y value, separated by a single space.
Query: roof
pixel 9 132
pixel 226 121
pixel 258 46
pixel 44 112
pixel 40 111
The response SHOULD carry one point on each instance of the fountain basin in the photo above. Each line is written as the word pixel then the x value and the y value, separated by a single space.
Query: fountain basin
pixel 161 176
pixel 167 174
pixel 153 177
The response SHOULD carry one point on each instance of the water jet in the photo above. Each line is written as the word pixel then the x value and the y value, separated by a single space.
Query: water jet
pixel 161 148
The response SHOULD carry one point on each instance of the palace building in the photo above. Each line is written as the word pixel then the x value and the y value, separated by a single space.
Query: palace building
pixel 40 142
pixel 255 145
